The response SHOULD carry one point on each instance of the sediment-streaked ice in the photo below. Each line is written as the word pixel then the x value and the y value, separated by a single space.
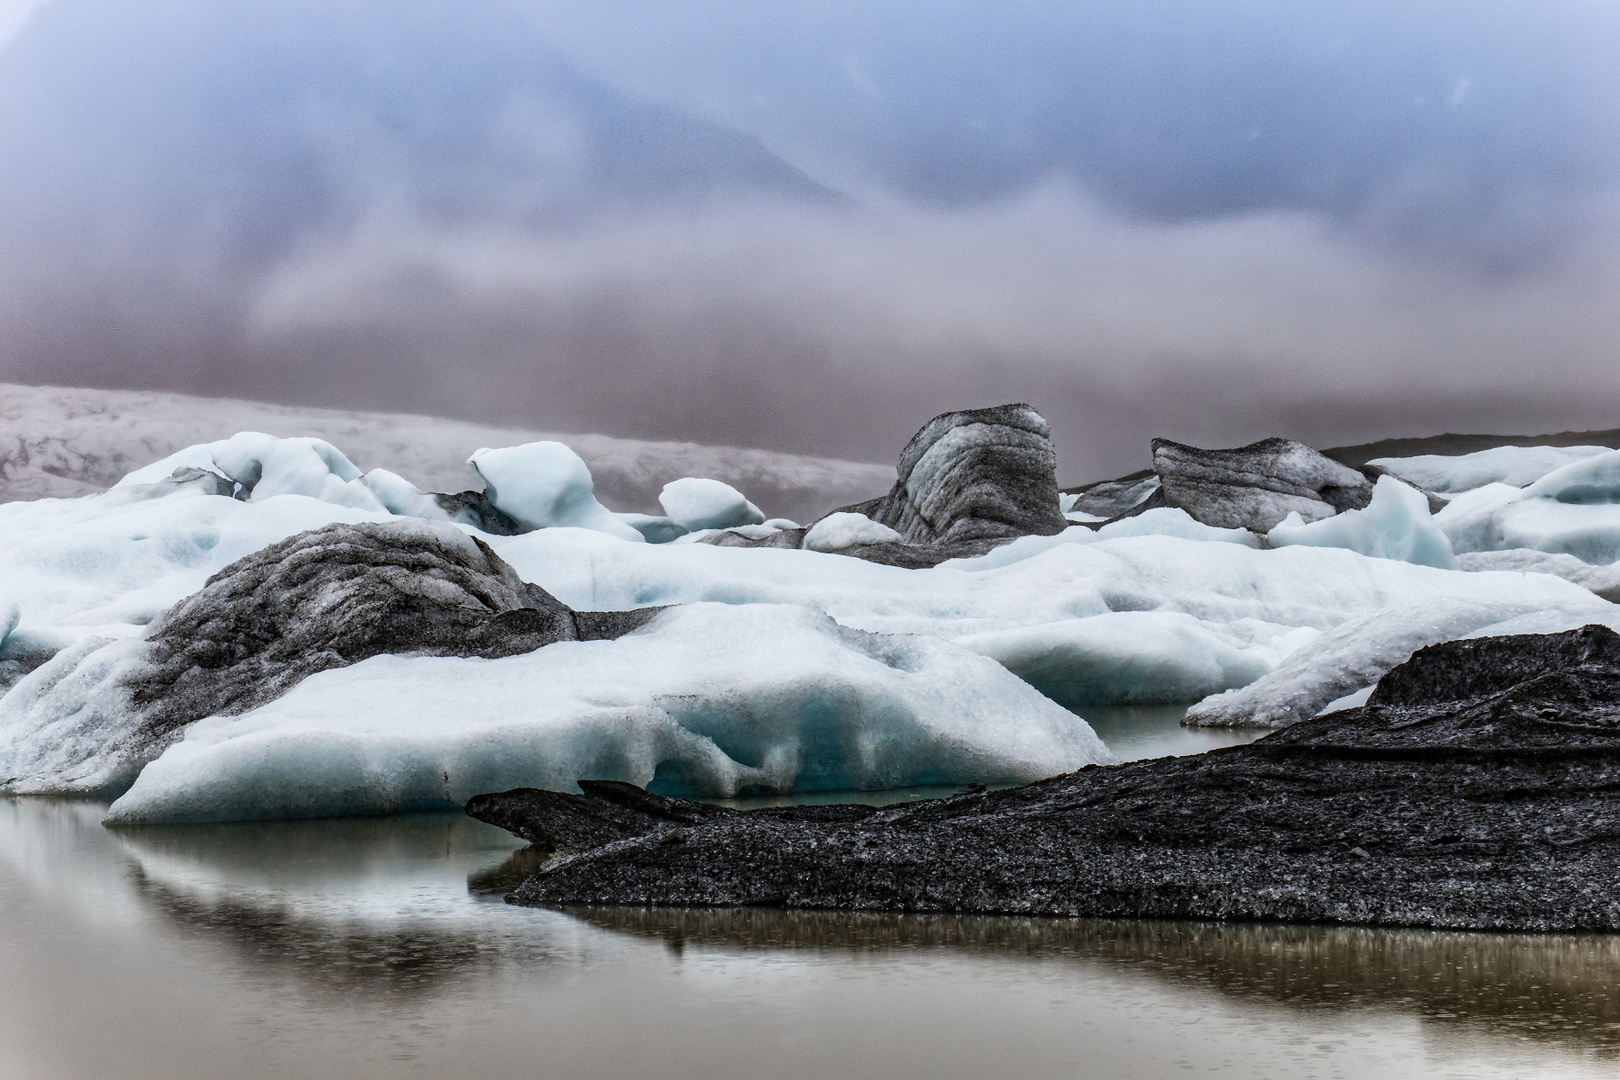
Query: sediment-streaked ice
pixel 1356 653
pixel 848 672
pixel 709 699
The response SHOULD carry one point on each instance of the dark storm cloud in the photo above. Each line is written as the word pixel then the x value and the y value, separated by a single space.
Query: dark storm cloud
pixel 1208 220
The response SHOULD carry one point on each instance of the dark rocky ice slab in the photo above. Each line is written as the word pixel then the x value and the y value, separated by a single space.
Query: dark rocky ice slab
pixel 1256 486
pixel 331 597
pixel 1479 788
pixel 975 475
pixel 968 482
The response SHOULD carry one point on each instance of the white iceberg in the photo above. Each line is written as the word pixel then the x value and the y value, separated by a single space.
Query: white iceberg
pixel 544 485
pixel 1122 658
pixel 1574 510
pixel 1512 465
pixel 1395 525
pixel 695 503
pixel 265 466
pixel 1602 579
pixel 846 529
pixel 399 496
pixel 1358 652
pixel 707 700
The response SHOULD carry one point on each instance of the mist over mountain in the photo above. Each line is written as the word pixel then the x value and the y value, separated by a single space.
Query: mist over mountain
pixel 1439 123
pixel 810 226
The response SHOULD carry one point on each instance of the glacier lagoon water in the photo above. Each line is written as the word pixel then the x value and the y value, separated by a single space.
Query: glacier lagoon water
pixel 380 947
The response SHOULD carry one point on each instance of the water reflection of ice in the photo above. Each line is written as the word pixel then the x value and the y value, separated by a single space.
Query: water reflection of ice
pixel 373 947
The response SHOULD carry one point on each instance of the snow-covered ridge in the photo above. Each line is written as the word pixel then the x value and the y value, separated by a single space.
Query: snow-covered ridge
pixel 61 442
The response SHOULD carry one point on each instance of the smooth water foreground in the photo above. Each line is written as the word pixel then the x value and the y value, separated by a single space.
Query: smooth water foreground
pixel 381 947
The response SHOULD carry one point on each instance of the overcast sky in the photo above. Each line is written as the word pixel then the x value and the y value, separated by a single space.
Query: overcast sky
pixel 812 225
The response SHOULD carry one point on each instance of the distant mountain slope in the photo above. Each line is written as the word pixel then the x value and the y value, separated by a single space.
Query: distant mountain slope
pixel 245 126
pixel 1450 444
pixel 59 442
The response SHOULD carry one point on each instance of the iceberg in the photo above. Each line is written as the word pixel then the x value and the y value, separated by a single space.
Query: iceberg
pixel 694 503
pixel 709 700
pixel 1122 658
pixel 1395 524
pixel 401 497
pixel 1516 466
pixel 846 529
pixel 544 485
pixel 1574 510
pixel 1256 486
pixel 1357 653
pixel 264 466
pixel 973 476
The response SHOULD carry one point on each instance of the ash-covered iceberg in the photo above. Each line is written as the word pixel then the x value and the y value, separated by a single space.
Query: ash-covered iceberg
pixel 705 700
pixel 97 712
pixel 1355 654
pixel 1256 486
pixel 980 474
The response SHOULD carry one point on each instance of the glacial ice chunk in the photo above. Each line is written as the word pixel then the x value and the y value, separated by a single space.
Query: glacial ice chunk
pixel 1572 511
pixel 1123 657
pixel 399 496
pixel 545 484
pixel 1595 479
pixel 846 529
pixel 695 503
pixel 10 614
pixel 1358 652
pixel 1512 465
pixel 708 700
pixel 1395 525
pixel 266 466
pixel 654 528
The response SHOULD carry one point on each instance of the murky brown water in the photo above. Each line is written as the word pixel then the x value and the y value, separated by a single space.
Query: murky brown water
pixel 368 948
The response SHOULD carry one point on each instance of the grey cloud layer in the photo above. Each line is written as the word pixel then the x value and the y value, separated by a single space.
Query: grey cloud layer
pixel 519 214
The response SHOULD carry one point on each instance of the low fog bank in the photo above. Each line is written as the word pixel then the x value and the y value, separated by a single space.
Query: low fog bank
pixel 838 330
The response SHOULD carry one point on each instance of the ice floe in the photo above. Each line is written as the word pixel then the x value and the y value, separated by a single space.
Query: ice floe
pixel 1395 525
pixel 783 663
pixel 695 503
pixel 1574 510
pixel 709 699
pixel 1516 466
